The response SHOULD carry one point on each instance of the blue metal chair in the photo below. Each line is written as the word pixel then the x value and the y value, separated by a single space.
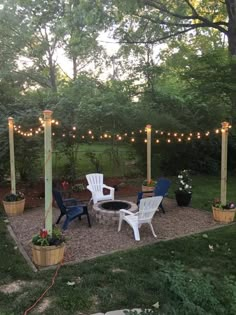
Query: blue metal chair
pixel 161 189
pixel 71 208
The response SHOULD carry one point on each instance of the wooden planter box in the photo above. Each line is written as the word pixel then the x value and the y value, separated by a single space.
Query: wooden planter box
pixel 13 208
pixel 147 191
pixel 48 255
pixel 223 216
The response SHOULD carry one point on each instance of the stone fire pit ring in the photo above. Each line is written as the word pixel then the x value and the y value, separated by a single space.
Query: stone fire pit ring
pixel 107 212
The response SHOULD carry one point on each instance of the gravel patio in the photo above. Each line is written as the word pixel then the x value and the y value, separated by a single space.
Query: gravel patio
pixel 86 243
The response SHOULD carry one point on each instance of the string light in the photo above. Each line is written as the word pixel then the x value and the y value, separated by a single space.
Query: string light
pixel 179 136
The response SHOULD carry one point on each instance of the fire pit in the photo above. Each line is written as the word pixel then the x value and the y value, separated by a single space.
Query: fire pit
pixel 107 212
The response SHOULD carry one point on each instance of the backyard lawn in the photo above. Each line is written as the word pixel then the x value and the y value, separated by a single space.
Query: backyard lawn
pixel 191 275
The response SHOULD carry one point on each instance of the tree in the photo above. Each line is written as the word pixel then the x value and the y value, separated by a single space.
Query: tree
pixel 156 21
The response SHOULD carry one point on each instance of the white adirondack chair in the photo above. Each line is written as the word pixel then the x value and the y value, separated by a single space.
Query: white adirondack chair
pixel 96 186
pixel 147 209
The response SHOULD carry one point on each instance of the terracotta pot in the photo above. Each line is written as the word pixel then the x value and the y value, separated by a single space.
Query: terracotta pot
pixel 183 199
pixel 13 208
pixel 223 215
pixel 48 255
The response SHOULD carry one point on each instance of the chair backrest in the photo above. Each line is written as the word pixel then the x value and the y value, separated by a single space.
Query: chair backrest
pixel 57 196
pixel 95 180
pixel 148 207
pixel 162 186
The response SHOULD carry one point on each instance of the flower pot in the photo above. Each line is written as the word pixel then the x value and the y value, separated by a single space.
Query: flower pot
pixel 147 190
pixel 13 208
pixel 183 198
pixel 48 255
pixel 223 215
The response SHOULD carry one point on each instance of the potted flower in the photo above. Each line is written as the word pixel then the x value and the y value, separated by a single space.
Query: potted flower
pixel 148 187
pixel 48 249
pixel 223 213
pixel 14 204
pixel 183 194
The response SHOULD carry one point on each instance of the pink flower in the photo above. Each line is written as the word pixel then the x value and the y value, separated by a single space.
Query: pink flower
pixel 43 233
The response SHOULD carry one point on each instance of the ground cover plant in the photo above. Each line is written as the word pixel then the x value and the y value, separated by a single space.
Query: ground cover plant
pixel 192 275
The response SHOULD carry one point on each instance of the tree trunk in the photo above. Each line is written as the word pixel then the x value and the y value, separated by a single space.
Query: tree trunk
pixel 74 60
pixel 52 73
pixel 231 9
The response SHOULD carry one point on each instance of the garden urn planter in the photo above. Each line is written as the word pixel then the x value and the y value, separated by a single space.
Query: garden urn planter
pixel 183 198
pixel 13 208
pixel 223 215
pixel 48 255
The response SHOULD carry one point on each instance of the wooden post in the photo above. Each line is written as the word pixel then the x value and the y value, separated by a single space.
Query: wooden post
pixel 224 151
pixel 149 133
pixel 12 154
pixel 48 169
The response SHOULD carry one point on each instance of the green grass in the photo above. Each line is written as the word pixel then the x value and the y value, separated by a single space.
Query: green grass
pixel 111 162
pixel 193 275
pixel 206 189
pixel 184 275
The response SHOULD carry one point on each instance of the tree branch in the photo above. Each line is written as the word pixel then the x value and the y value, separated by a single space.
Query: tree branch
pixel 160 38
pixel 195 16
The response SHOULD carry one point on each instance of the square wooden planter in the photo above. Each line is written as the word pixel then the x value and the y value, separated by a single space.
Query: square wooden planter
pixel 147 191
pixel 13 208
pixel 223 216
pixel 48 255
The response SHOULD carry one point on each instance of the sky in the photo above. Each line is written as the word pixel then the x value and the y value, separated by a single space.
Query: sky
pixel 111 46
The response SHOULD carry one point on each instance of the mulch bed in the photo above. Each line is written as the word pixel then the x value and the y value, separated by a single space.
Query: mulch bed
pixel 86 243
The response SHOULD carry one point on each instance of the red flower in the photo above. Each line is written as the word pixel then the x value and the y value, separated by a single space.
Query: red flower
pixel 43 233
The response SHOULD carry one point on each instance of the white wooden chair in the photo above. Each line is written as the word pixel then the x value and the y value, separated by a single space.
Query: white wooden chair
pixel 96 186
pixel 147 209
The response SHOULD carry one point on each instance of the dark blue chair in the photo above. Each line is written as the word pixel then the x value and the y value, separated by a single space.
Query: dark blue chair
pixel 71 208
pixel 161 189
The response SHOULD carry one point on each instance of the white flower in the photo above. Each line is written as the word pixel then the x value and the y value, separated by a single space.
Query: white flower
pixel 182 182
pixel 156 305
pixel 180 176
pixel 180 188
pixel 211 247
pixel 71 283
pixel 186 186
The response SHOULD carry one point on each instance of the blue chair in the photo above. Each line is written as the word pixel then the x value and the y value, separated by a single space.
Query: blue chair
pixel 161 189
pixel 71 208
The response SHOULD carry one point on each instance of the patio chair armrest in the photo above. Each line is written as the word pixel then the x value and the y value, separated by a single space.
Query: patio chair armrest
pixel 90 188
pixel 74 208
pixel 124 211
pixel 73 201
pixel 108 187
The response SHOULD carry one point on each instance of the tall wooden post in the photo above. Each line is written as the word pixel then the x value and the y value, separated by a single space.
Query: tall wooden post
pixel 149 137
pixel 12 154
pixel 224 151
pixel 48 169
